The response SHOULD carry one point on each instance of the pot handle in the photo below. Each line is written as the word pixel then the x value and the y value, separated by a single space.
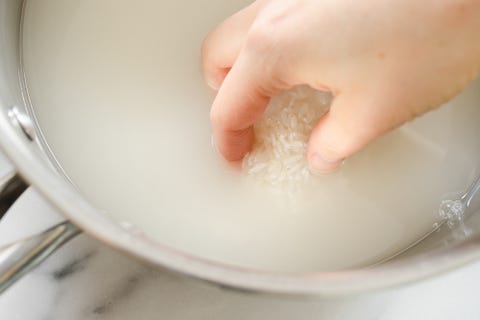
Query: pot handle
pixel 19 258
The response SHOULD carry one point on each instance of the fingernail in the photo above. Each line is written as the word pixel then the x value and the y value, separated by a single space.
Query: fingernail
pixel 319 165
pixel 213 85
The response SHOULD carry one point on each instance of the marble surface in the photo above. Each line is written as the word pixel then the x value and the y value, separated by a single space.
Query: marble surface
pixel 87 280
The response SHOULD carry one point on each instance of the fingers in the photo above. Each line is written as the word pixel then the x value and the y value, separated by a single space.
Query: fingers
pixel 240 101
pixel 244 78
pixel 350 125
pixel 222 46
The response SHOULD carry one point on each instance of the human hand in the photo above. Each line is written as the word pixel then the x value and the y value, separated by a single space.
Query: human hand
pixel 386 62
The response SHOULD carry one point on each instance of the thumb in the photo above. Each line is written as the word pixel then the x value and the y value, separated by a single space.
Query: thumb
pixel 351 123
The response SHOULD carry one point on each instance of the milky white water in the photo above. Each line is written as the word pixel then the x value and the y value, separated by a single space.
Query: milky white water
pixel 119 95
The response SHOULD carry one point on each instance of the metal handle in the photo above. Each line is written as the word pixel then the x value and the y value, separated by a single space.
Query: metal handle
pixel 21 257
pixel 11 187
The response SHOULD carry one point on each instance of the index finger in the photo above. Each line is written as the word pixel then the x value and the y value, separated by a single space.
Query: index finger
pixel 241 100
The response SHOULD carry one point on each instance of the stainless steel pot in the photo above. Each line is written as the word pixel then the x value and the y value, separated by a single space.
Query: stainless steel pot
pixel 20 140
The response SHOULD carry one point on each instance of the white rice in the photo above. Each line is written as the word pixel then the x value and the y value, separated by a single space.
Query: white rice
pixel 278 158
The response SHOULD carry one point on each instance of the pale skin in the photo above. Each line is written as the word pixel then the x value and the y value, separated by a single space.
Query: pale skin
pixel 385 61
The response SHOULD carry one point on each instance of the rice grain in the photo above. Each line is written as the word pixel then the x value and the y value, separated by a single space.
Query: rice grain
pixel 278 157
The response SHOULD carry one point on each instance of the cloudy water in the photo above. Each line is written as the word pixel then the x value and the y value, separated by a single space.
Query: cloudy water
pixel 118 91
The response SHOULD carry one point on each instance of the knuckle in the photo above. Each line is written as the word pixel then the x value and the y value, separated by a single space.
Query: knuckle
pixel 273 50
pixel 267 50
pixel 261 39
pixel 273 26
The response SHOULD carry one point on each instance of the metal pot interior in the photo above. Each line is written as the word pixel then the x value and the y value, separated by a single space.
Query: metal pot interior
pixel 441 250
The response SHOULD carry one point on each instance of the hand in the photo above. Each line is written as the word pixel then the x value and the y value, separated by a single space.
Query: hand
pixel 386 62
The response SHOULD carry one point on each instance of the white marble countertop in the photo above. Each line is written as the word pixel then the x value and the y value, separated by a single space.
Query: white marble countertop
pixel 87 280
